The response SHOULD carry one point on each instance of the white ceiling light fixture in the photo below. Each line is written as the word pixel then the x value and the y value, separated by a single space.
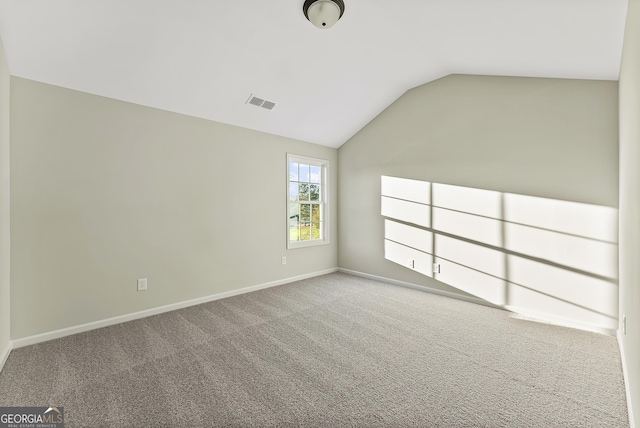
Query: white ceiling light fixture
pixel 323 13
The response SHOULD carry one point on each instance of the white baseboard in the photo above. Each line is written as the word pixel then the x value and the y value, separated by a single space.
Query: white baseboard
pixel 623 357
pixel 563 322
pixel 527 313
pixel 56 334
pixel 420 287
pixel 4 355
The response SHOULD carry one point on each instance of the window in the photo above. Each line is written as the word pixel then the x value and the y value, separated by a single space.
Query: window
pixel 307 201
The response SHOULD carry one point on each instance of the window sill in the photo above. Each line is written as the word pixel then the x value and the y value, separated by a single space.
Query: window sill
pixel 306 244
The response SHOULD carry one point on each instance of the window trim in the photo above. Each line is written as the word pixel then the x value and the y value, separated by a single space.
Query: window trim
pixel 324 196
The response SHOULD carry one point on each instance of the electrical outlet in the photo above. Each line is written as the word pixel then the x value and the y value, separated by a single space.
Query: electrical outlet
pixel 142 284
pixel 624 324
pixel 436 268
pixel 411 263
pixel 284 261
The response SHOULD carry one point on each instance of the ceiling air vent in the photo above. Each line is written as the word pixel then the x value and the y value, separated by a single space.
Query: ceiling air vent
pixel 269 105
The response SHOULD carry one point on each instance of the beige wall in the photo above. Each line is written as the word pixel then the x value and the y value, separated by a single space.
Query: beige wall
pixel 630 202
pixel 548 138
pixel 5 258
pixel 104 192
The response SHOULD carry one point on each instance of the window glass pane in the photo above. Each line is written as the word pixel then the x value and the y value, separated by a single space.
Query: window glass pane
pixel 294 212
pixel 305 231
pixel 293 191
pixel 314 174
pixel 314 192
pixel 303 192
pixel 294 233
pixel 305 212
pixel 293 171
pixel 315 212
pixel 304 173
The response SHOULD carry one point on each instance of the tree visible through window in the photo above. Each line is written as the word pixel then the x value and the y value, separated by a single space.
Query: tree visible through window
pixel 307 182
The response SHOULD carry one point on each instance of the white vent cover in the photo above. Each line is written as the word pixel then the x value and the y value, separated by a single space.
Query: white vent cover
pixel 256 101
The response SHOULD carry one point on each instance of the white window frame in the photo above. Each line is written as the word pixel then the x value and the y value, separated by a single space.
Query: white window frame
pixel 324 201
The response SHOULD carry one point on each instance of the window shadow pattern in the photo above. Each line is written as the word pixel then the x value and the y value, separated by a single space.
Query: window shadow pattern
pixel 544 258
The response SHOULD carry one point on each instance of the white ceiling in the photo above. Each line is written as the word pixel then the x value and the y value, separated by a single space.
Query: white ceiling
pixel 204 58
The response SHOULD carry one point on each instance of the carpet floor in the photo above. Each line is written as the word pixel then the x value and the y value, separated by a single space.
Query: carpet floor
pixel 330 351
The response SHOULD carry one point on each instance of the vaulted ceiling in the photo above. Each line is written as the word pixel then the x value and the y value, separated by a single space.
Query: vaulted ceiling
pixel 205 57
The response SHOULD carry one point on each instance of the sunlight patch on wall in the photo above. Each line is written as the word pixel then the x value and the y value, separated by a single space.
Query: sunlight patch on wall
pixel 485 203
pixel 409 190
pixel 528 254
pixel 470 226
pixel 408 211
pixel 589 298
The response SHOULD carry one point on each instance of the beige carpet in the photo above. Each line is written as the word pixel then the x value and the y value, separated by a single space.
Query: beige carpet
pixel 331 351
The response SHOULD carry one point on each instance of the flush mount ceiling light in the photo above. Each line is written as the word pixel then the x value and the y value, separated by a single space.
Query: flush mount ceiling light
pixel 323 13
